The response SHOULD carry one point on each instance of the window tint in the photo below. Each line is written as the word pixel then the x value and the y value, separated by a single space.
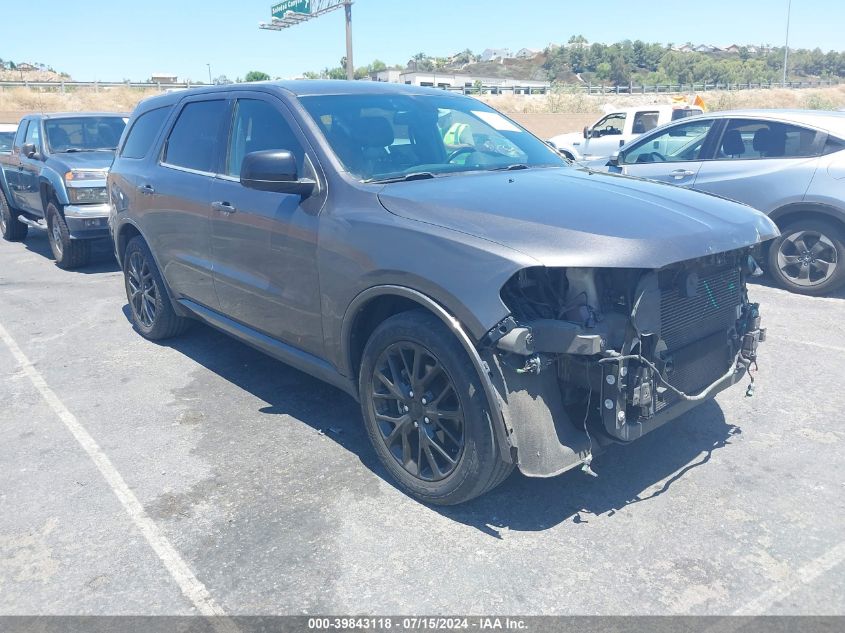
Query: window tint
pixel 6 139
pixel 644 122
pixel 259 126
pixel 143 133
pixel 33 134
pixel 681 142
pixel 746 139
pixel 88 133
pixel 378 137
pixel 833 144
pixel 22 128
pixel 612 124
pixel 193 142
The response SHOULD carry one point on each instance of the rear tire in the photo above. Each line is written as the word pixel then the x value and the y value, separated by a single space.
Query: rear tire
pixel 426 412
pixel 11 229
pixel 809 257
pixel 149 302
pixel 69 254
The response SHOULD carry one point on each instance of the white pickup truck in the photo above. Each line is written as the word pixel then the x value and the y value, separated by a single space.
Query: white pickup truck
pixel 616 128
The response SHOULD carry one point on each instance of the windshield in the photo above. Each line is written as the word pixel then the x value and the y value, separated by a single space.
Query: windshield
pixel 6 140
pixel 384 137
pixel 84 134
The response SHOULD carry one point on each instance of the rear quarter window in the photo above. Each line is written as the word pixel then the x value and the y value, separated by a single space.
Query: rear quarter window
pixel 833 144
pixel 143 133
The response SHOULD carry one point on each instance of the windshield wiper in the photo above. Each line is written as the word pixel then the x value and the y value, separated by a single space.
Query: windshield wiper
pixel 513 167
pixel 417 175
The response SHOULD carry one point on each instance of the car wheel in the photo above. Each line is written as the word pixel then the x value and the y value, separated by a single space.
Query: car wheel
pixel 68 253
pixel 149 304
pixel 426 413
pixel 808 257
pixel 10 228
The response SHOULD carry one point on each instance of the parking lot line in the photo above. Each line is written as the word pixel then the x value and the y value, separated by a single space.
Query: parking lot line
pixel 803 576
pixel 192 588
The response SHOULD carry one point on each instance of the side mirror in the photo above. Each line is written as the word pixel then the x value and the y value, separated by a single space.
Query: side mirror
pixel 614 159
pixel 28 150
pixel 587 131
pixel 274 170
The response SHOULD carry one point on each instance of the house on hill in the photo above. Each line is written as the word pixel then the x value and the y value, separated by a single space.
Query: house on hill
pixel 492 54
pixel 526 53
pixel 26 68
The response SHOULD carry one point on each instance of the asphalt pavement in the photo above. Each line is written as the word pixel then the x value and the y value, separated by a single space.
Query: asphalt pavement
pixel 202 476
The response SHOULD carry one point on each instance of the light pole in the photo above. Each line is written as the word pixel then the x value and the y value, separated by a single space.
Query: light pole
pixel 786 48
pixel 210 81
pixel 350 66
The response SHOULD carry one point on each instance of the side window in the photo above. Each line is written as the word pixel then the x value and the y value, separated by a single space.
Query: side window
pixel 681 142
pixel 33 134
pixel 645 122
pixel 193 141
pixel 833 144
pixel 612 124
pixel 746 139
pixel 143 133
pixel 258 126
pixel 19 137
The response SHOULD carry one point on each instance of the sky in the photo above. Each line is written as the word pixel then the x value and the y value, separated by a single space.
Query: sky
pixel 115 40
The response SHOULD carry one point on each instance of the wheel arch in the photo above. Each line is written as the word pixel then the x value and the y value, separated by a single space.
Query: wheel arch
pixel 806 210
pixel 378 303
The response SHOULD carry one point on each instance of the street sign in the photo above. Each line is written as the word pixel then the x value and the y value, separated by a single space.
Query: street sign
pixel 291 6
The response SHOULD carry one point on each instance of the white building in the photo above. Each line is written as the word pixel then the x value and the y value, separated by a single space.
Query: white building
pixel 526 53
pixel 492 54
pixel 457 80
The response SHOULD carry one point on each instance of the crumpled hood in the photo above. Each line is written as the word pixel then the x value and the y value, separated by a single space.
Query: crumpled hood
pixel 567 217
pixel 82 160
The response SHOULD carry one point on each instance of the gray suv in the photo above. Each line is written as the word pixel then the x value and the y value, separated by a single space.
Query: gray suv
pixel 488 305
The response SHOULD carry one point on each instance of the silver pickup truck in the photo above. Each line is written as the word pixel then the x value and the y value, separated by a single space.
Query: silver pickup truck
pixel 53 176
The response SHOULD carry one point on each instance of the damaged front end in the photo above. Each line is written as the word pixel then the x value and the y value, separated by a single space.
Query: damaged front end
pixel 591 356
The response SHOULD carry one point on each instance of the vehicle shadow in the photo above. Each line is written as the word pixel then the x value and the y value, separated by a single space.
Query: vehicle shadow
pixel 102 256
pixel 629 474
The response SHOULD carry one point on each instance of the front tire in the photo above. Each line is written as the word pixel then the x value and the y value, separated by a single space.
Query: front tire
pixel 809 257
pixel 426 412
pixel 11 229
pixel 68 253
pixel 149 304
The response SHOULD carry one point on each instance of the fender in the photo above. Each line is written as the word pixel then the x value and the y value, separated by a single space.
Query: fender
pixel 481 367
pixel 49 180
pixel 811 207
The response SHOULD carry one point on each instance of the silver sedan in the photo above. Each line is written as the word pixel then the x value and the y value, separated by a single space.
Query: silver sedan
pixel 789 164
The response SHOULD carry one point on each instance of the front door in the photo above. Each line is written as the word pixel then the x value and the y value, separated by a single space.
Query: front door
pixel 674 155
pixel 265 243
pixel 605 136
pixel 29 190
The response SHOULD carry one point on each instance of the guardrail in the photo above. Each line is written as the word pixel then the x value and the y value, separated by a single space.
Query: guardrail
pixel 590 89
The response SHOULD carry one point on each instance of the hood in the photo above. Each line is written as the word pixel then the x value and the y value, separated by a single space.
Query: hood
pixel 566 217
pixel 83 160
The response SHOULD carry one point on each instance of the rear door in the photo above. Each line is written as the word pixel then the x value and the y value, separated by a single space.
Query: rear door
pixel 673 154
pixel 11 168
pixel 766 164
pixel 174 197
pixel 265 243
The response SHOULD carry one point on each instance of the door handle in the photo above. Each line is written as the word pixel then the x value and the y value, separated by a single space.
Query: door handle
pixel 223 207
pixel 682 173
pixel 146 189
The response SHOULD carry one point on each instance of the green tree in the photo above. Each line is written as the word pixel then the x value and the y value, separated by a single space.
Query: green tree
pixel 256 75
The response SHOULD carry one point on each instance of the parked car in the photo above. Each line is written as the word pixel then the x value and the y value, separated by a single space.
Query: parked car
pixel 788 164
pixel 54 177
pixel 616 128
pixel 7 135
pixel 487 304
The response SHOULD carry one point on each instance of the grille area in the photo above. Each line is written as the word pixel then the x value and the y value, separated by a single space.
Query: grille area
pixel 695 329
pixel 685 320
